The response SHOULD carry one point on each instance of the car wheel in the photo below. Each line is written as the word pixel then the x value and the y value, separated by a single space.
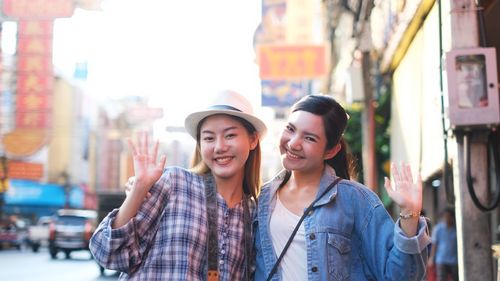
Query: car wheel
pixel 35 248
pixel 53 253
pixel 67 254
pixel 101 269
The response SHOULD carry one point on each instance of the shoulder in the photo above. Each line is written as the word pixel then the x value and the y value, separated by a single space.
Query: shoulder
pixel 180 177
pixel 358 192
pixel 270 186
pixel 173 172
pixel 439 227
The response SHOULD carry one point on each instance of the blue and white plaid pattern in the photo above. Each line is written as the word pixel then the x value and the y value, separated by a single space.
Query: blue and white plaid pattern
pixel 177 251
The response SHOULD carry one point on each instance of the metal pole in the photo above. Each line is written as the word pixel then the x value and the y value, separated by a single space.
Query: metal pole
pixel 473 226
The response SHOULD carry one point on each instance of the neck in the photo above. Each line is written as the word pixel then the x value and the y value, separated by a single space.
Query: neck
pixel 231 190
pixel 305 181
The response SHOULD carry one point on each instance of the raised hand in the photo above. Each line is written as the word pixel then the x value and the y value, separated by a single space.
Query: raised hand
pixel 405 192
pixel 146 168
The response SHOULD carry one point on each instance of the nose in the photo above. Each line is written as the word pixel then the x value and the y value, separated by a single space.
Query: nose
pixel 220 145
pixel 295 143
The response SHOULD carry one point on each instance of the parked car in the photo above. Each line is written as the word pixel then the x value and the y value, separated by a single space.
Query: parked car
pixel 10 235
pixel 38 234
pixel 70 230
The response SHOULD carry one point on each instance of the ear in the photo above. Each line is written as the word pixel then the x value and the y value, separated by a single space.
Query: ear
pixel 254 140
pixel 330 153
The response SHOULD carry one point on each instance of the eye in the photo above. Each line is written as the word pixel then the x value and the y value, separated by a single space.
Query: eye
pixel 289 128
pixel 231 135
pixel 311 139
pixel 207 138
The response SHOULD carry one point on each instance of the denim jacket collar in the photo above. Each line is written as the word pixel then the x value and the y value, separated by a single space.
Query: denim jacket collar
pixel 326 179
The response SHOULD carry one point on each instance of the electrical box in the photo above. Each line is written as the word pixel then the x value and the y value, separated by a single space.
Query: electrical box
pixel 355 90
pixel 472 88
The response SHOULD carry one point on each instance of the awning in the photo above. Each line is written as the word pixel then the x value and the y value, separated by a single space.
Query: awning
pixel 32 193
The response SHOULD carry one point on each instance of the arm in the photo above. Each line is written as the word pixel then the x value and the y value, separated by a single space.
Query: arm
pixel 389 253
pixel 147 172
pixel 408 196
pixel 398 251
pixel 125 234
pixel 432 256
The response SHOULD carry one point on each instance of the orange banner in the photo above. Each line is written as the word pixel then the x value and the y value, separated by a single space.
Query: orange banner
pixel 24 170
pixel 281 62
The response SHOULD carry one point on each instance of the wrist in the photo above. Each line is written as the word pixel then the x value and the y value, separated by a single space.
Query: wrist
pixel 407 214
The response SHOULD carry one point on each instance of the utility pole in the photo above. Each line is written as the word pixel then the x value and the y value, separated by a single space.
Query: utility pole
pixel 473 226
pixel 368 117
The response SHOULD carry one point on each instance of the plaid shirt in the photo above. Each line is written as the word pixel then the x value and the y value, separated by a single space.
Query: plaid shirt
pixel 167 239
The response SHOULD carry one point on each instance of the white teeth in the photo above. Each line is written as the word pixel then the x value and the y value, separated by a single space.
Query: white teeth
pixel 223 160
pixel 291 155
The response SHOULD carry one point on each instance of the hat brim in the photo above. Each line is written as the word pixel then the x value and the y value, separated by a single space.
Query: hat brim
pixel 192 120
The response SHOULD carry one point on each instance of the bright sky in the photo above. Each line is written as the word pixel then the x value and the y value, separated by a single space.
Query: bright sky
pixel 177 53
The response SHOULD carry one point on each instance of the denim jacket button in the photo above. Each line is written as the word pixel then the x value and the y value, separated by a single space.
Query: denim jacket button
pixel 312 236
pixel 314 269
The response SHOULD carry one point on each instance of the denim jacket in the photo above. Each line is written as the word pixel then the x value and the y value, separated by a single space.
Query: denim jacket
pixel 349 236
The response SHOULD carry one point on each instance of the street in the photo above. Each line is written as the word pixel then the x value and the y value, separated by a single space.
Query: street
pixel 24 265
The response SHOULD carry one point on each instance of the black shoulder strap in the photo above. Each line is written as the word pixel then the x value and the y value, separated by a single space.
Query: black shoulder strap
pixel 212 239
pixel 306 212
pixel 247 237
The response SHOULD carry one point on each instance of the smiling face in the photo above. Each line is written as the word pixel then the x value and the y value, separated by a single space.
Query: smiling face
pixel 303 143
pixel 225 145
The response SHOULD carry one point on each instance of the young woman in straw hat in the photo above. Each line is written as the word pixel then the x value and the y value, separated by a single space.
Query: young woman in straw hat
pixel 178 224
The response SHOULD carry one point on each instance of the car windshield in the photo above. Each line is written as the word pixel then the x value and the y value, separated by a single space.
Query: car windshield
pixel 71 220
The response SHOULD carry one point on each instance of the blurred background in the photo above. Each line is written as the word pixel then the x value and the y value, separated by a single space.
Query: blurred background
pixel 79 77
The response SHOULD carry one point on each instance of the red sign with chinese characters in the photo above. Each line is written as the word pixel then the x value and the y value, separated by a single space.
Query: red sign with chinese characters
pixel 32 119
pixel 35 28
pixel 33 102
pixel 35 77
pixel 34 82
pixel 35 45
pixel 35 73
pixel 38 9
pixel 34 63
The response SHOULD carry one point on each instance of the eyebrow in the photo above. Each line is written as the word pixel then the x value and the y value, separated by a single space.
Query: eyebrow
pixel 305 132
pixel 225 130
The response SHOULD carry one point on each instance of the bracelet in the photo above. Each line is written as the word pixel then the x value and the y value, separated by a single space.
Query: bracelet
pixel 410 215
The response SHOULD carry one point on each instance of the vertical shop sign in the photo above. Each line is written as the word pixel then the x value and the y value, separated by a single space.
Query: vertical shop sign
pixel 34 83
pixel 34 77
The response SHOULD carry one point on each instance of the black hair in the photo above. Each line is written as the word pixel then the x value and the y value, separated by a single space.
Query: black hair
pixel 335 121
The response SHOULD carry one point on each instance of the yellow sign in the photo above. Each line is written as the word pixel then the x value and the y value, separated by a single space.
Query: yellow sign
pixel 24 142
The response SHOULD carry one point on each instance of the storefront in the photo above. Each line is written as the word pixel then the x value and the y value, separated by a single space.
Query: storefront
pixel 33 199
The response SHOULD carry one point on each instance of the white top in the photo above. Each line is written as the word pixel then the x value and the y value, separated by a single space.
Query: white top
pixel 294 263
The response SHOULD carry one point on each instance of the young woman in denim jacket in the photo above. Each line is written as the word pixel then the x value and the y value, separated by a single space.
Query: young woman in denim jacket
pixel 349 235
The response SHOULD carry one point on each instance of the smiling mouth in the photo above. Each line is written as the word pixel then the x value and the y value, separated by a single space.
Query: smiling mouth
pixel 223 160
pixel 292 156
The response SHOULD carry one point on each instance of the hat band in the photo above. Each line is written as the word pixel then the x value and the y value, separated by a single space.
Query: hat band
pixel 223 106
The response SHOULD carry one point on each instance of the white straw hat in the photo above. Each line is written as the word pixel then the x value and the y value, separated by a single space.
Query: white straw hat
pixel 230 103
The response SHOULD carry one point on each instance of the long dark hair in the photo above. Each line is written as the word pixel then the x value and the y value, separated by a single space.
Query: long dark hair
pixel 334 121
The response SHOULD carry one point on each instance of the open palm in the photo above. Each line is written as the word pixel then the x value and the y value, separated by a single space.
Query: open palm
pixel 405 192
pixel 146 167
